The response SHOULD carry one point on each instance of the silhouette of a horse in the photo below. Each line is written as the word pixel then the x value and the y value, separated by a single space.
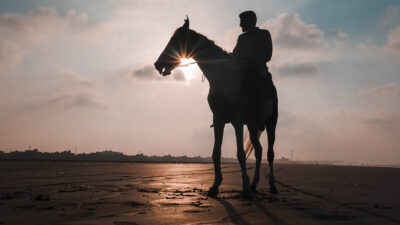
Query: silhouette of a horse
pixel 227 99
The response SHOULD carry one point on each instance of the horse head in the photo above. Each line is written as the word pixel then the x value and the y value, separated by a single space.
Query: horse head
pixel 179 46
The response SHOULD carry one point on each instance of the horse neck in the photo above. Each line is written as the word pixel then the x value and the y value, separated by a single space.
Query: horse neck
pixel 214 63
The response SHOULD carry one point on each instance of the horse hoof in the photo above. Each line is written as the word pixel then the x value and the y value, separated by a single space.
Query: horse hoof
pixel 246 193
pixel 273 190
pixel 212 192
pixel 253 188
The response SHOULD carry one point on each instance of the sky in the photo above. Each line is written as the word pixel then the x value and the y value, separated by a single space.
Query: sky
pixel 80 74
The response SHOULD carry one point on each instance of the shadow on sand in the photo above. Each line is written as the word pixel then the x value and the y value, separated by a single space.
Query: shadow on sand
pixel 271 216
pixel 235 217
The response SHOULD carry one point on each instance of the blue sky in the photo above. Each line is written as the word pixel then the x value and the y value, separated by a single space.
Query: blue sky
pixel 80 73
pixel 359 19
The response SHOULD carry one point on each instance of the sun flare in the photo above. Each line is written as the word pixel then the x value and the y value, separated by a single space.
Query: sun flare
pixel 188 67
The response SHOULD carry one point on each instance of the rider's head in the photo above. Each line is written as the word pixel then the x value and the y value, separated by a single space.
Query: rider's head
pixel 248 20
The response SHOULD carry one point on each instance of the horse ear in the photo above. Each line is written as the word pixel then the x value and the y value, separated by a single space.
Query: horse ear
pixel 186 24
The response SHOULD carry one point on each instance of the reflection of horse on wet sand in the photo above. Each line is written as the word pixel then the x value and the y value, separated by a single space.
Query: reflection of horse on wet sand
pixel 227 99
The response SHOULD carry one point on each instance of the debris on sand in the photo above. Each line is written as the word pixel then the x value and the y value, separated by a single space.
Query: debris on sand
pixel 246 204
pixel 15 194
pixel 149 190
pixel 25 207
pixel 43 197
pixel 170 204
pixel 124 223
pixel 173 197
pixel 200 204
pixel 48 207
pixel 193 211
pixel 75 188
pixel 133 203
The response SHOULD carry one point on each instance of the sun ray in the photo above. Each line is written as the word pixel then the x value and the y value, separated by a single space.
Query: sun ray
pixel 188 67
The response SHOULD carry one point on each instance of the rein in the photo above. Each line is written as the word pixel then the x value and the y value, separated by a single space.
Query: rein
pixel 187 64
pixel 204 61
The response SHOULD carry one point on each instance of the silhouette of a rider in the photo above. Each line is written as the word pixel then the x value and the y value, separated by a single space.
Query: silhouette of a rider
pixel 253 50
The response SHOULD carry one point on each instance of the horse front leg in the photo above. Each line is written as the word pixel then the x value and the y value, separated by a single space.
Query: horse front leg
pixel 241 155
pixel 216 156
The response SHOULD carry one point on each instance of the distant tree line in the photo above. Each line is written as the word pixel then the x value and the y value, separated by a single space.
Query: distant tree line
pixel 107 155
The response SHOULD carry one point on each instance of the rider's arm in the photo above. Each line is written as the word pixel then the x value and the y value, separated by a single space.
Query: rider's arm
pixel 268 42
pixel 237 51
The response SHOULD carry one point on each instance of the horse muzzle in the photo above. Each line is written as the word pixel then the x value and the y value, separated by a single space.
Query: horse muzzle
pixel 159 67
pixel 162 69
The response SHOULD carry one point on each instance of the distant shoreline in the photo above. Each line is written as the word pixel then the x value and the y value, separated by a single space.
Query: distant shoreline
pixel 107 156
pixel 110 156
pixel 178 162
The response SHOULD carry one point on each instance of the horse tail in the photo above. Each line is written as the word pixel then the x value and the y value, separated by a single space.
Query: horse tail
pixel 248 148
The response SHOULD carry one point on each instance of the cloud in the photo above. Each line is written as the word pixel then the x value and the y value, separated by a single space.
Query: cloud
pixel 40 25
pixel 294 125
pixel 388 123
pixel 289 31
pixel 303 69
pixel 390 49
pixel 178 75
pixel 391 16
pixel 75 91
pixel 287 118
pixel 67 101
pixel 229 38
pixel 336 35
pixel 57 91
pixel 10 55
pixel 298 46
pixel 76 80
pixel 393 40
pixel 149 73
pixel 391 89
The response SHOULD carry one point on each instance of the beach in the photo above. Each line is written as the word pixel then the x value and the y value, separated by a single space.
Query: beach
pixel 167 193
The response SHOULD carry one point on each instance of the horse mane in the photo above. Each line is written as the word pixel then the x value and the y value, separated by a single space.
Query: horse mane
pixel 209 43
pixel 220 51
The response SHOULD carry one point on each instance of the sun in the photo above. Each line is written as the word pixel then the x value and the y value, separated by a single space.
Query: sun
pixel 188 67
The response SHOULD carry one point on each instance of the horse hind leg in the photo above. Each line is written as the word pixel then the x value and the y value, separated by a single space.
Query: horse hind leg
pixel 254 137
pixel 271 127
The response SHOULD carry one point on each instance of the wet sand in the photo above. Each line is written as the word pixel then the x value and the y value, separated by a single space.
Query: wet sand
pixel 134 193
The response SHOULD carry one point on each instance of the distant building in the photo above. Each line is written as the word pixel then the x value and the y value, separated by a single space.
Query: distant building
pixel 282 160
